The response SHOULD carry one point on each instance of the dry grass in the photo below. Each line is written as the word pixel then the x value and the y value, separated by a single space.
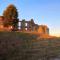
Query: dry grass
pixel 26 46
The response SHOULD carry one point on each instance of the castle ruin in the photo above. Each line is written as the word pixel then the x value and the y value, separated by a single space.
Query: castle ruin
pixel 28 26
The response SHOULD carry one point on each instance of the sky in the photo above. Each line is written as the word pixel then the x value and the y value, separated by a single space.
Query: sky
pixel 45 12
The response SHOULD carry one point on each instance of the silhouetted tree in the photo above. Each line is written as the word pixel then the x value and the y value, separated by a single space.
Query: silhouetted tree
pixel 10 14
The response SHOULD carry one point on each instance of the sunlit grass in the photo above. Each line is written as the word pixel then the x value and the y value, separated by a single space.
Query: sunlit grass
pixel 25 45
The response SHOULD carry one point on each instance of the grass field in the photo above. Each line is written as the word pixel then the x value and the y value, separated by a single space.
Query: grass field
pixel 26 46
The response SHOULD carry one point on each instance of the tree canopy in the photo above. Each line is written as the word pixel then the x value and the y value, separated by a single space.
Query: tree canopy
pixel 10 14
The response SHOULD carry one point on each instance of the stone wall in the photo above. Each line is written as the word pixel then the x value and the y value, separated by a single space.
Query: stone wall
pixel 25 26
pixel 43 29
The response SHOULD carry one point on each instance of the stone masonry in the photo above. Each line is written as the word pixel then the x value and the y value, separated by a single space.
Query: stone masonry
pixel 28 26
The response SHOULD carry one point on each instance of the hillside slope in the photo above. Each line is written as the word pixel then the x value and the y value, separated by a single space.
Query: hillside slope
pixel 26 46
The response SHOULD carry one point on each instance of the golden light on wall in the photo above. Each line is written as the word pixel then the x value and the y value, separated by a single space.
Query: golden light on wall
pixel 10 27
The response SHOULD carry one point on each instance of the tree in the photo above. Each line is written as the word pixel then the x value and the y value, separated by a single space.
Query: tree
pixel 10 14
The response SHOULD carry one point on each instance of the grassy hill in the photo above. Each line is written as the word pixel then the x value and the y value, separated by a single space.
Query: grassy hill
pixel 27 46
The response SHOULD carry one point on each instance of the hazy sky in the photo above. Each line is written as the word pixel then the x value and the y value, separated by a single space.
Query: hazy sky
pixel 42 11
